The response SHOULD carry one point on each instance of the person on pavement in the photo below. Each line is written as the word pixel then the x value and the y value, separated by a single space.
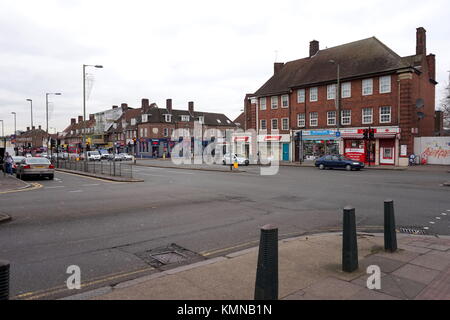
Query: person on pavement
pixel 8 163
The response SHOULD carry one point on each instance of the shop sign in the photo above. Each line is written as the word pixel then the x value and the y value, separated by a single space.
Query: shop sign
pixel 355 154
pixel 274 138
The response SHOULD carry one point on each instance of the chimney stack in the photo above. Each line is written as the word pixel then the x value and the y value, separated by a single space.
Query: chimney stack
pixel 421 42
pixel 28 128
pixel 91 117
pixel 431 60
pixel 33 128
pixel 313 48
pixel 277 66
pixel 115 107
pixel 169 105
pixel 73 121
pixel 191 107
pixel 145 103
pixel 39 127
pixel 80 119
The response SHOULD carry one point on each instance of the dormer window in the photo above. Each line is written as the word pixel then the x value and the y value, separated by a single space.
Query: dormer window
pixel 144 117
pixel 201 119
pixel 168 118
pixel 218 121
pixel 133 121
pixel 115 125
pixel 124 124
pixel 184 118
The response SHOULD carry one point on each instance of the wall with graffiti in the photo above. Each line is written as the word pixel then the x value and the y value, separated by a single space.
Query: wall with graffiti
pixel 435 150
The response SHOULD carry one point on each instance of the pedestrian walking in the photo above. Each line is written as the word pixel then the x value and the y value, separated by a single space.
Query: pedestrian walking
pixel 8 163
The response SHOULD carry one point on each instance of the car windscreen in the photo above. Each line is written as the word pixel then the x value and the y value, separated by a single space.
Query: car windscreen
pixel 37 161
pixel 18 159
pixel 94 153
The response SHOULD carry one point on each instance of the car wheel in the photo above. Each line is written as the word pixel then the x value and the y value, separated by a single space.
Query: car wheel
pixel 348 167
pixel 247 163
pixel 224 163
pixel 321 167
pixel 51 177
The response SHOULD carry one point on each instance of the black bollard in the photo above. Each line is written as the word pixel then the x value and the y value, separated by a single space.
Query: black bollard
pixel 390 236
pixel 349 241
pixel 4 280
pixel 266 287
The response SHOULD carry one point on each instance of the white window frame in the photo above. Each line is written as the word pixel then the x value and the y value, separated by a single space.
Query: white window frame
pixel 283 127
pixel 185 118
pixel 347 117
pixel 346 90
pixel 364 116
pixel 301 120
pixel 385 114
pixel 385 84
pixel 261 124
pixel 168 117
pixel 285 98
pixel 271 124
pixel 313 94
pixel 201 119
pixel 144 117
pixel 133 121
pixel 263 106
pixel 274 102
pixel 301 96
pixel 315 119
pixel 331 118
pixel 367 87
pixel 165 132
pixel 331 92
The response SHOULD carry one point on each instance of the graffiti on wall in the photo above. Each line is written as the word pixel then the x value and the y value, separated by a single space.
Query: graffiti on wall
pixel 436 150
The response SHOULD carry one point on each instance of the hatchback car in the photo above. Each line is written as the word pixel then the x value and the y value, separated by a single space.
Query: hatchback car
pixel 235 158
pixel 33 166
pixel 338 162
pixel 16 161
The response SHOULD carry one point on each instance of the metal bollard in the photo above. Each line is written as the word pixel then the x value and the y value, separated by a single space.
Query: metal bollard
pixel 390 236
pixel 266 287
pixel 349 241
pixel 4 280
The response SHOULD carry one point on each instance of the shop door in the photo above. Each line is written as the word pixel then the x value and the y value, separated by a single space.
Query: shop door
pixel 285 151
pixel 387 148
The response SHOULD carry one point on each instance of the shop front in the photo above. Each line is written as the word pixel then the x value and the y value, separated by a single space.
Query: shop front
pixel 313 144
pixel 276 143
pixel 381 150
pixel 154 148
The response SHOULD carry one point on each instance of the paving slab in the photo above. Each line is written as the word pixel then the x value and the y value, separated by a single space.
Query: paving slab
pixel 416 273
pixel 386 265
pixel 330 289
pixel 366 294
pixel 438 289
pixel 433 260
pixel 401 288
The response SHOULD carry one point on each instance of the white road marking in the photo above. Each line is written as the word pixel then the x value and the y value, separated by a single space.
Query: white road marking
pixel 54 187
pixel 153 175
pixel 438 218
pixel 179 172
pixel 443 213
pixel 426 228
pixel 432 222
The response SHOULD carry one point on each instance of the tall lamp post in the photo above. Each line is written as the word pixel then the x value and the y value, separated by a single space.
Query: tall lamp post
pixel 3 134
pixel 337 97
pixel 15 132
pixel 84 107
pixel 46 111
pixel 31 102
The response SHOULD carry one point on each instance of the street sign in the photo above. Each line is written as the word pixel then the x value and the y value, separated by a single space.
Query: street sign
pixel 338 134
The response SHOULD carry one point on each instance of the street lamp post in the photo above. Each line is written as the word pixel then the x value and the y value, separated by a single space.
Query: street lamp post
pixel 31 102
pixel 15 132
pixel 338 95
pixel 46 111
pixel 84 109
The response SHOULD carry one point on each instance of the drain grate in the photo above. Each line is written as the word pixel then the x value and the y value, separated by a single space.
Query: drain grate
pixel 413 230
pixel 169 256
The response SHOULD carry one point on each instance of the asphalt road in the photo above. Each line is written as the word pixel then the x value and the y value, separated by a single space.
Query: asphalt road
pixel 103 226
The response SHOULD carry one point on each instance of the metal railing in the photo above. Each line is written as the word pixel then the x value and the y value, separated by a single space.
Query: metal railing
pixel 108 168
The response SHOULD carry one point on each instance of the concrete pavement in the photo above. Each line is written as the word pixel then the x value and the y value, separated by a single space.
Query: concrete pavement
pixel 309 269
pixel 11 183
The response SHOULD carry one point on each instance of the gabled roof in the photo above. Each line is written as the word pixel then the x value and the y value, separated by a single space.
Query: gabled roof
pixel 359 58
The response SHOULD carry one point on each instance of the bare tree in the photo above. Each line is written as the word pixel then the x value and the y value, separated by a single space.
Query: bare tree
pixel 445 105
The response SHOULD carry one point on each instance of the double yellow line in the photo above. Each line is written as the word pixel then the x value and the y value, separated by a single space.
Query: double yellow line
pixel 34 186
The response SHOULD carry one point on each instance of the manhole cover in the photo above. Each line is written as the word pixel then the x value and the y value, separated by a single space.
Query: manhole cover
pixel 412 230
pixel 169 256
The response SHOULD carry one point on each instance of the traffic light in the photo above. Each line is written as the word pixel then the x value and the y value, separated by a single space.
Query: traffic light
pixel 371 134
pixel 366 134
pixel 134 141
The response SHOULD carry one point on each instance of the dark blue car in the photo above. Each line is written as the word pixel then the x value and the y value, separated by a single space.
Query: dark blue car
pixel 338 162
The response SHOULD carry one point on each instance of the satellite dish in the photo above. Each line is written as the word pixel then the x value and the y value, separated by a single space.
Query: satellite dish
pixel 420 115
pixel 420 103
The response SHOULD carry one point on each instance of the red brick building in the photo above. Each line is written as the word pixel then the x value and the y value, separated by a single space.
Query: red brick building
pixel 378 89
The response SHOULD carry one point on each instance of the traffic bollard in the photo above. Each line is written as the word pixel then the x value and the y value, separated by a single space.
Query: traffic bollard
pixel 4 280
pixel 349 241
pixel 390 236
pixel 266 287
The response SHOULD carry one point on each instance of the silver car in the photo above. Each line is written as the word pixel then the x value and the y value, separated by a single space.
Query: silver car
pixel 33 166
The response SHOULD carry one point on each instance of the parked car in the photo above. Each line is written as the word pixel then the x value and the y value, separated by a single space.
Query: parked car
pixel 115 157
pixel 104 154
pixel 235 158
pixel 16 161
pixel 35 166
pixel 338 162
pixel 126 156
pixel 94 156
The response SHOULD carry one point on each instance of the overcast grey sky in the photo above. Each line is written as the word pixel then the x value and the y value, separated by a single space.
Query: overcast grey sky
pixel 210 52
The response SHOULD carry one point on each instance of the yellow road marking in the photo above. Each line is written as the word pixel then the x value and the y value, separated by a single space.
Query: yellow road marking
pixel 93 178
pixel 43 293
pixel 34 187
